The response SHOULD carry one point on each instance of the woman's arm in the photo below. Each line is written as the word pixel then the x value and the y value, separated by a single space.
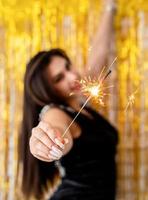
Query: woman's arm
pixel 97 57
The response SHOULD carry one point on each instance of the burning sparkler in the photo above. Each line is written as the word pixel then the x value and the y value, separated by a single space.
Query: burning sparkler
pixel 131 100
pixel 93 89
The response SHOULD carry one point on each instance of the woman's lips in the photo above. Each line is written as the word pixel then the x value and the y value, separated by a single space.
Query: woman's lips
pixel 76 87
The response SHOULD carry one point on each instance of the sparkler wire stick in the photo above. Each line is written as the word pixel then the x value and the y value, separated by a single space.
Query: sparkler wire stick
pixel 76 116
pixel 112 62
pixel 108 73
pixel 109 70
pixel 101 72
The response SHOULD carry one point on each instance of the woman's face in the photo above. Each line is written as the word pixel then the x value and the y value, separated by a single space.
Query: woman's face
pixel 62 78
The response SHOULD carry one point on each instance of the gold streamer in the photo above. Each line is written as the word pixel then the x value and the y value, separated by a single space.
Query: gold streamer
pixel 29 26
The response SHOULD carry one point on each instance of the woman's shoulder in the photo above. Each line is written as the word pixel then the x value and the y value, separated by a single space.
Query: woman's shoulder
pixel 52 110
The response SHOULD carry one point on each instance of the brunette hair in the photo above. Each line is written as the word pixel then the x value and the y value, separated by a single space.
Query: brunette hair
pixel 36 174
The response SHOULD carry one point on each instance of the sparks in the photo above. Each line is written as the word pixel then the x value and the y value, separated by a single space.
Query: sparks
pixel 131 100
pixel 95 87
pixel 92 87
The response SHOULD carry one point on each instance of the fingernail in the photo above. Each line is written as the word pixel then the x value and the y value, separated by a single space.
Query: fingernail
pixel 59 143
pixel 66 140
pixel 52 157
pixel 55 149
pixel 57 155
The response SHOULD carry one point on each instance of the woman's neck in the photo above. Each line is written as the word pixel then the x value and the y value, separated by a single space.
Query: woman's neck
pixel 74 103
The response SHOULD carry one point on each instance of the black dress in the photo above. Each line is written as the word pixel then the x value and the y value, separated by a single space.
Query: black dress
pixel 90 169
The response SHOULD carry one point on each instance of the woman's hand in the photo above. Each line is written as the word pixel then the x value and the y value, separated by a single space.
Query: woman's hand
pixel 46 143
pixel 109 5
pixel 109 1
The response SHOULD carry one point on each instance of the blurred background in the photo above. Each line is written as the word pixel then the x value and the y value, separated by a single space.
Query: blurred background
pixel 28 26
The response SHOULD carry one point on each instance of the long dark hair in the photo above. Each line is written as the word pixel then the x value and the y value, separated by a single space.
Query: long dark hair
pixel 37 93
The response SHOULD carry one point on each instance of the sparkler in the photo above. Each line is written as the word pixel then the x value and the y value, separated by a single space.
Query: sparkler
pixel 131 100
pixel 93 88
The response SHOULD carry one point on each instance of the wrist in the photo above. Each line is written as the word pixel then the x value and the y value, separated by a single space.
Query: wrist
pixel 110 7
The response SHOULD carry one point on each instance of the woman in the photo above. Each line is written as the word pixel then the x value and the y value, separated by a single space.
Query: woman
pixel 85 157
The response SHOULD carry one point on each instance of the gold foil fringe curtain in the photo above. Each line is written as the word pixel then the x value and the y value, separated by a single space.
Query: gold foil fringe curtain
pixel 29 26
pixel 132 50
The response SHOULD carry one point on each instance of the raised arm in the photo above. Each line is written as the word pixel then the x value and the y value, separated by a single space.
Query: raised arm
pixel 97 57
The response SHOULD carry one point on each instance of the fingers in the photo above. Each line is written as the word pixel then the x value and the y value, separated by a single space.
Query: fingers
pixel 56 152
pixel 52 133
pixel 39 134
pixel 43 158
pixel 43 147
pixel 42 152
pixel 38 146
pixel 47 129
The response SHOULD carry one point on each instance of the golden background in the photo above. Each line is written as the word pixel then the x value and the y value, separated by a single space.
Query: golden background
pixel 32 25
